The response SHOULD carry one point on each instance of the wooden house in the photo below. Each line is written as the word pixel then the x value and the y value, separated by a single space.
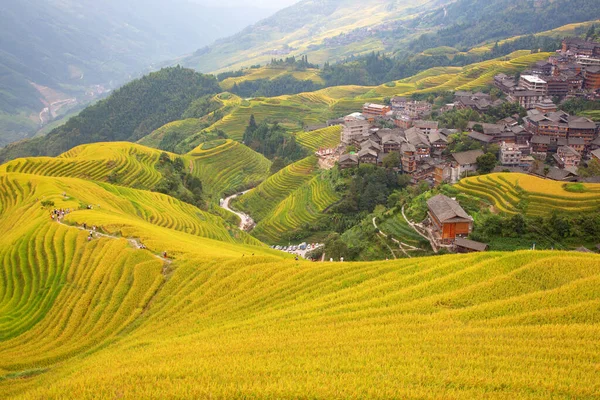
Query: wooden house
pixel 448 218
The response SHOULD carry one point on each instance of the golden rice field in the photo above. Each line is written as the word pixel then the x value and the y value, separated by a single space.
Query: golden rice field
pixel 134 165
pixel 514 193
pixel 226 168
pixel 116 322
pixel 326 138
pixel 302 207
pixel 260 201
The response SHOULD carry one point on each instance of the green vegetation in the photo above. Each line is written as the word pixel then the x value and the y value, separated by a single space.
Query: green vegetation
pixel 272 141
pixel 262 200
pixel 327 138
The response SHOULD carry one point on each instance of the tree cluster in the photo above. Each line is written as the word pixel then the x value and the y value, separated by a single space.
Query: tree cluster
pixel 272 141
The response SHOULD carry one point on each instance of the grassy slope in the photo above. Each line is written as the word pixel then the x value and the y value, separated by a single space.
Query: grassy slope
pixel 513 325
pixel 515 193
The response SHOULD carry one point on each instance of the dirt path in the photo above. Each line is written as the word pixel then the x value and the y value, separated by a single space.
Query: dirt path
pixel 134 242
pixel 246 221
pixel 404 247
pixel 432 242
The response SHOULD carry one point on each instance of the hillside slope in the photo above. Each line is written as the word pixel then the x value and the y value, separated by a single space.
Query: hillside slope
pixel 302 28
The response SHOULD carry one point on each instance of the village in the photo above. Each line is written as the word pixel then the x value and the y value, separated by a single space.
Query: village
pixel 546 142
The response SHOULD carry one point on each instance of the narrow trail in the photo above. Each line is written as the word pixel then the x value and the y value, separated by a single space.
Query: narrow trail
pixel 246 221
pixel 414 226
pixel 405 247
pixel 134 242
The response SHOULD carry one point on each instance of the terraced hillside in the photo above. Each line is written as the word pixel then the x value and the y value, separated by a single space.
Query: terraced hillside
pixel 272 72
pixel 302 207
pixel 507 325
pixel 520 193
pixel 260 201
pixel 228 167
pixel 327 138
pixel 131 164
pixel 295 111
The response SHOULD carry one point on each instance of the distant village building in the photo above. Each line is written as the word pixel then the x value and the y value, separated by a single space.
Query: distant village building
pixel 464 162
pixel 510 155
pixel 526 98
pixel 448 219
pixel 348 161
pixel 355 128
pixel 567 157
pixel 371 110
pixel 534 83
pixel 408 157
pixel 592 78
pixel 595 155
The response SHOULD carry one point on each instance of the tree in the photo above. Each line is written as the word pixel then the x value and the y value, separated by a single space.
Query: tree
pixel 486 163
pixel 278 164
pixel 391 160
pixel 546 170
pixel 592 169
pixel 478 128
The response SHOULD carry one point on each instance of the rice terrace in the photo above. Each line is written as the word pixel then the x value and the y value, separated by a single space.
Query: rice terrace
pixel 297 199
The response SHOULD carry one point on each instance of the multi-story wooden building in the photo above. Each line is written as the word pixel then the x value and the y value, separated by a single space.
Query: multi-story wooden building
pixel 448 219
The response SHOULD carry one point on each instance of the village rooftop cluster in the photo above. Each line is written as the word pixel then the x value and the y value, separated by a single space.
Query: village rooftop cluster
pixel 546 142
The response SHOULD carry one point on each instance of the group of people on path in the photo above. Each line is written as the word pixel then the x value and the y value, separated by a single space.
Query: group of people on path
pixel 59 213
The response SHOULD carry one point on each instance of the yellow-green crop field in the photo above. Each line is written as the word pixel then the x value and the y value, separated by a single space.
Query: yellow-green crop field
pixel 102 319
pixel 225 168
pixel 302 207
pixel 326 138
pixel 260 201
pixel 272 72
pixel 514 193
pixel 132 163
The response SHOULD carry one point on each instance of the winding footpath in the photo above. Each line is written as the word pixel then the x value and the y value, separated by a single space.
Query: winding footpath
pixel 134 242
pixel 246 221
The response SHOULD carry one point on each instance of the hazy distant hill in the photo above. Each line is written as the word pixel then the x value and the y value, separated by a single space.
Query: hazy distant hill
pixel 65 47
pixel 306 27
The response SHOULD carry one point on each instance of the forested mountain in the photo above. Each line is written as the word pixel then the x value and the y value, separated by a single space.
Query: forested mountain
pixel 129 114
pixel 58 53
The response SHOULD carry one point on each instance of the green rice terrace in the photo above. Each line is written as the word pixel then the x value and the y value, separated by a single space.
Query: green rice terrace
pixel 302 207
pixel 260 201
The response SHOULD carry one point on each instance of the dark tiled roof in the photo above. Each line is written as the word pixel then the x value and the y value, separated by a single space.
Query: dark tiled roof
pixel 445 209
pixel 470 244
pixel 467 157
